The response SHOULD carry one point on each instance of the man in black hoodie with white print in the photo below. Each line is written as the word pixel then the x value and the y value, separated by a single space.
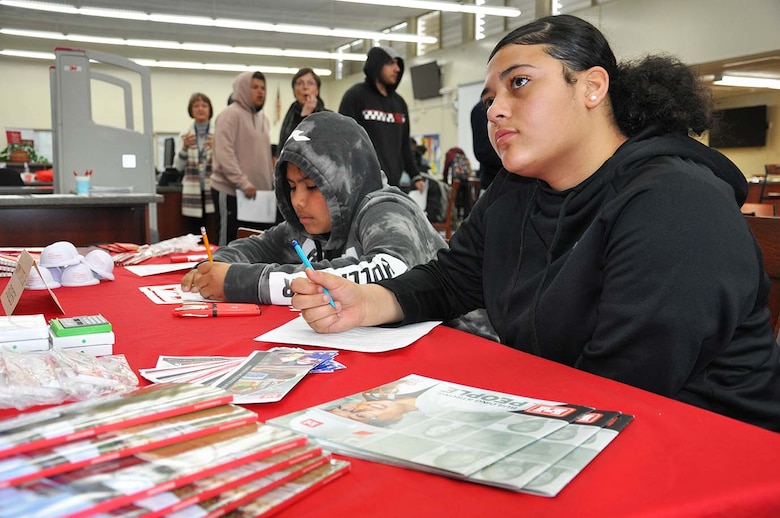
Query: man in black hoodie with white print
pixel 376 106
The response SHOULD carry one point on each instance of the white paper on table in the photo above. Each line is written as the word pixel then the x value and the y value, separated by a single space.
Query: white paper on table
pixel 171 294
pixel 361 339
pixel 261 209
pixel 143 270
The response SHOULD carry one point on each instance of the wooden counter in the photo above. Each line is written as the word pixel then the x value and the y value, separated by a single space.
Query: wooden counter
pixel 41 219
pixel 171 223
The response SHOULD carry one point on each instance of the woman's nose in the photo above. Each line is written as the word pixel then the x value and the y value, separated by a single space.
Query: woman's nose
pixel 497 109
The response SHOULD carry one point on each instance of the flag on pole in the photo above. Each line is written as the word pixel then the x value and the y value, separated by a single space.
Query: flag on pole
pixel 278 106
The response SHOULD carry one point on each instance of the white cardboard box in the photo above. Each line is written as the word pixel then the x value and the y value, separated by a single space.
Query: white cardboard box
pixel 92 350
pixel 23 327
pixel 85 340
pixel 35 344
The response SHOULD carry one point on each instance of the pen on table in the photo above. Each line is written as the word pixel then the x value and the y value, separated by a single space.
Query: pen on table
pixel 206 243
pixel 307 264
pixel 215 309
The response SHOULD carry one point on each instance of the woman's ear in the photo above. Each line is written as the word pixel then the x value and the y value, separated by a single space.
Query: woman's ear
pixel 597 85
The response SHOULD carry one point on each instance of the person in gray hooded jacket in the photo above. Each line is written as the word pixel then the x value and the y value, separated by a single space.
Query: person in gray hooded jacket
pixel 336 204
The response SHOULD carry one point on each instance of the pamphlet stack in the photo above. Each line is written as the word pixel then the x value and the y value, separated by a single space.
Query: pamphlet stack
pixel 504 440
pixel 158 450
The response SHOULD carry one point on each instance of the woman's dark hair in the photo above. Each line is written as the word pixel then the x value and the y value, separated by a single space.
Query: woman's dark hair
pixel 258 75
pixel 197 96
pixel 302 72
pixel 653 91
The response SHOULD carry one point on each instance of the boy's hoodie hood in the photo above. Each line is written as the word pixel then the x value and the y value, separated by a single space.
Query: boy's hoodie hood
pixel 335 152
pixel 242 86
pixel 377 58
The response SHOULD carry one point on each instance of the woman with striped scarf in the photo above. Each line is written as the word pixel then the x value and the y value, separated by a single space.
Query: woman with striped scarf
pixel 194 159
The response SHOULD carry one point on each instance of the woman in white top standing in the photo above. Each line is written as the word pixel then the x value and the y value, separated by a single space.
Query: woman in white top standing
pixel 194 159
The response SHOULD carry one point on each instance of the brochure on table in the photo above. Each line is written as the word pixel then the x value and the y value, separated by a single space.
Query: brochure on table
pixel 458 431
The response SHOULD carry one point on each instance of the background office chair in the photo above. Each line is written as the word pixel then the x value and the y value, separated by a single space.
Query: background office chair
pixel 767 234
pixel 769 169
pixel 450 223
pixel 759 209
pixel 170 175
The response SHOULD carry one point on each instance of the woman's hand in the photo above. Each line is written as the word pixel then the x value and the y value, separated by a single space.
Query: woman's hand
pixel 356 304
pixel 208 279
pixel 309 106
pixel 190 140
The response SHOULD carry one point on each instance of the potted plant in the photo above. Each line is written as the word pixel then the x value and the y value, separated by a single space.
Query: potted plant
pixel 21 153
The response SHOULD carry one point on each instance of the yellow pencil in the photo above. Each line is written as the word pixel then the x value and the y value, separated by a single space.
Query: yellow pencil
pixel 206 243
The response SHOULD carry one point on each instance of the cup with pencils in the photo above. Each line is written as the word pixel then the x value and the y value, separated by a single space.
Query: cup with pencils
pixel 82 182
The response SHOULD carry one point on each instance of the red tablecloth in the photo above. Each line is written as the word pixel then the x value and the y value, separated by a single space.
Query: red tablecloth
pixel 673 460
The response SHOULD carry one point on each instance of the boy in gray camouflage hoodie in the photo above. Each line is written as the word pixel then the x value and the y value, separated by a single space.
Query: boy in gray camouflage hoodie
pixel 336 203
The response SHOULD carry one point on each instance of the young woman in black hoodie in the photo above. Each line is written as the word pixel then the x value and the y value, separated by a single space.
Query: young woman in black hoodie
pixel 612 241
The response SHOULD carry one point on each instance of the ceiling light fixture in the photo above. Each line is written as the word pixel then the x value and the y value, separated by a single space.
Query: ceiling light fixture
pixel 216 67
pixel 509 12
pixel 219 22
pixel 194 47
pixel 747 81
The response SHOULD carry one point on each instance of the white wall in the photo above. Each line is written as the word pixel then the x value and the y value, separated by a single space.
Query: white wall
pixel 697 31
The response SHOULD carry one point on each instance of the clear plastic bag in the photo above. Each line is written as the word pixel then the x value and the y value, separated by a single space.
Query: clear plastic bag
pixel 58 375
pixel 174 245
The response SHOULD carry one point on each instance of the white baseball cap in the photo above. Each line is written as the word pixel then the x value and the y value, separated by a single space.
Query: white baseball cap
pixel 78 275
pixel 36 282
pixel 100 262
pixel 61 253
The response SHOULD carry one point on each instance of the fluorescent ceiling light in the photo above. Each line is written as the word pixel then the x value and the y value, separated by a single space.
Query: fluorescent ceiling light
pixel 224 67
pixel 219 67
pixel 509 12
pixel 26 54
pixel 194 47
pixel 219 22
pixel 749 82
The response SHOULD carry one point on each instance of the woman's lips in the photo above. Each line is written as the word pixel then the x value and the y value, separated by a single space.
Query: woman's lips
pixel 503 135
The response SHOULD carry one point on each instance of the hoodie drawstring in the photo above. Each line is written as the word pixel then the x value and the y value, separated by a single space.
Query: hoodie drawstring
pixel 526 218
pixel 535 349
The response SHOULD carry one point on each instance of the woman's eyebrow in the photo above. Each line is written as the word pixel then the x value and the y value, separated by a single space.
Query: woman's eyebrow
pixel 503 75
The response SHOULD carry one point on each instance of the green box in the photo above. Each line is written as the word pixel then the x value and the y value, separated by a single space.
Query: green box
pixel 81 325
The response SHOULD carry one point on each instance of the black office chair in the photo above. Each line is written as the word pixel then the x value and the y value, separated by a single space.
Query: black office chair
pixel 170 175
pixel 10 178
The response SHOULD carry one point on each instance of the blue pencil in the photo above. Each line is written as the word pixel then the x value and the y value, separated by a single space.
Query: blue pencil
pixel 307 264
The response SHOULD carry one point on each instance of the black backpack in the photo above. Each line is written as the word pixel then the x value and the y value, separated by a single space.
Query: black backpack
pixel 437 200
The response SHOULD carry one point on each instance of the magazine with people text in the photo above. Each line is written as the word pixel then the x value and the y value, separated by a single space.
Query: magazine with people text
pixel 551 481
pixel 112 484
pixel 484 436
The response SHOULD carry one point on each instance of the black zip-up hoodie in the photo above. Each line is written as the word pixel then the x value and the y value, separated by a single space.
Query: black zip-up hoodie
pixel 645 273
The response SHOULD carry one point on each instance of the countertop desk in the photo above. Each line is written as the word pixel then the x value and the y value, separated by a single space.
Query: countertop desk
pixel 673 460
pixel 40 219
